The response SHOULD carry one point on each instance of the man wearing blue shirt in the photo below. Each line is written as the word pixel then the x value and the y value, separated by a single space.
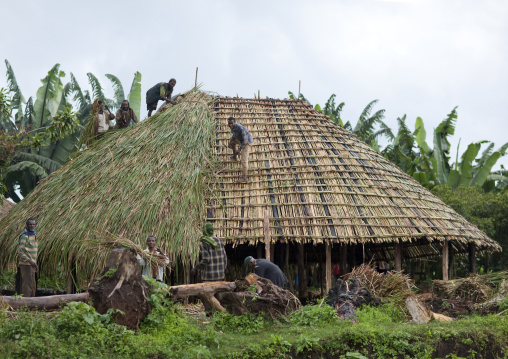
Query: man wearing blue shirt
pixel 240 144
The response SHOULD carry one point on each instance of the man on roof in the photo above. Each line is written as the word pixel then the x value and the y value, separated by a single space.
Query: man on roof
pixel 27 256
pixel 101 119
pixel 124 115
pixel 266 269
pixel 240 144
pixel 161 91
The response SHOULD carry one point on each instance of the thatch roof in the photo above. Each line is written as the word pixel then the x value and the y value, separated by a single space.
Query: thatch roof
pixel 320 182
pixel 167 174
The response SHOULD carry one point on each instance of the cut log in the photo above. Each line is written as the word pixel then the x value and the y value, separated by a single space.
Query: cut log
pixel 440 317
pixel 47 303
pixel 418 311
pixel 205 291
pixel 121 286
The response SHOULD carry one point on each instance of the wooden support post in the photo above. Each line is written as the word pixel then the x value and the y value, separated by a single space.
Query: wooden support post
pixel 398 256
pixel 72 278
pixel 302 280
pixel 259 94
pixel 299 88
pixel 445 259
pixel 266 230
pixel 451 270
pixel 343 259
pixel 472 257
pixel 328 266
pixel 196 81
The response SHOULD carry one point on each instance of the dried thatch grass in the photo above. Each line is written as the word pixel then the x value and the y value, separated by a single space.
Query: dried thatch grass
pixel 394 286
pixel 475 288
pixel 146 179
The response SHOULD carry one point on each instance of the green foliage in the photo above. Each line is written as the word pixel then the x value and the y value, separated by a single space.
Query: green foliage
pixel 312 315
pixel 247 323
pixel 487 210
pixel 386 313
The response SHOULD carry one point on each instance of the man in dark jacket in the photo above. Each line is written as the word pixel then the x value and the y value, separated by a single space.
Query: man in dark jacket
pixel 161 91
pixel 268 270
pixel 124 115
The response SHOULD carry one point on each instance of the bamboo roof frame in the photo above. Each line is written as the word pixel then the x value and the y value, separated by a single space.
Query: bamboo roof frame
pixel 319 183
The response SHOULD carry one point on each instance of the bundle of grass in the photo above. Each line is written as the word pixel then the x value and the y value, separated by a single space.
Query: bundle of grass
pixel 148 179
pixel 476 288
pixel 394 286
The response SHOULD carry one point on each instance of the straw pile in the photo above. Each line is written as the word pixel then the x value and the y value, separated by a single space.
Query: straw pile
pixel 394 286
pixel 318 182
pixel 475 288
pixel 146 179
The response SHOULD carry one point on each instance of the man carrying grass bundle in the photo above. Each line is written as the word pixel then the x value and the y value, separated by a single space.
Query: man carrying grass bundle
pixel 124 115
pixel 240 144
pixel 149 270
pixel 161 91
pixel 27 253
pixel 101 119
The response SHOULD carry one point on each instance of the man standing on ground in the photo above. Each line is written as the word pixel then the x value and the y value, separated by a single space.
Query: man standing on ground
pixel 101 120
pixel 268 270
pixel 213 259
pixel 161 91
pixel 240 144
pixel 27 253
pixel 124 115
pixel 150 270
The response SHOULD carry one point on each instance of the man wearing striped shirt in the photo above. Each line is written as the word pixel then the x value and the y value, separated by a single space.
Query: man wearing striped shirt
pixel 27 253
pixel 240 144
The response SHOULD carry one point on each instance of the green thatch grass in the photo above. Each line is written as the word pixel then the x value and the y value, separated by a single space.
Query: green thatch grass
pixel 146 179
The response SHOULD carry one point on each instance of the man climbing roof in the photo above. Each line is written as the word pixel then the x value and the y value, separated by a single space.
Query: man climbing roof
pixel 161 91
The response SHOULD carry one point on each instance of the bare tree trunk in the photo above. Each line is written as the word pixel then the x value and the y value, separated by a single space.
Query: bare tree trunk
pixel 48 302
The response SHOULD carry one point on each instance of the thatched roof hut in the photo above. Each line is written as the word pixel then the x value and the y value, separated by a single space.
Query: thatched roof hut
pixel 309 181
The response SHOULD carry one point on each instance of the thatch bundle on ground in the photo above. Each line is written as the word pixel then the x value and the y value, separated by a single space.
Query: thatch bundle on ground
pixel 310 181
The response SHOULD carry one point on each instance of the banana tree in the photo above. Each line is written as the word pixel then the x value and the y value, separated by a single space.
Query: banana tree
pixel 134 96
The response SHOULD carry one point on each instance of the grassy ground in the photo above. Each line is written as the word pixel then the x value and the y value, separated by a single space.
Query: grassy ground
pixel 78 331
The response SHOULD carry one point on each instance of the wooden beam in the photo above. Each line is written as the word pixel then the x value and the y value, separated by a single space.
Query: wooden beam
pixel 328 265
pixel 472 257
pixel 445 259
pixel 302 280
pixel 398 256
pixel 343 258
pixel 266 230
pixel 48 302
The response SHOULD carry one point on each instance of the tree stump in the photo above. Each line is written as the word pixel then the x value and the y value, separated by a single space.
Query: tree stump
pixel 121 286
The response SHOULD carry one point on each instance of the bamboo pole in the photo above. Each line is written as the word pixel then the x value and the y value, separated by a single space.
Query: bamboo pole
pixel 445 259
pixel 299 88
pixel 328 266
pixel 343 258
pixel 266 229
pixel 398 256
pixel 472 257
pixel 196 80
pixel 302 280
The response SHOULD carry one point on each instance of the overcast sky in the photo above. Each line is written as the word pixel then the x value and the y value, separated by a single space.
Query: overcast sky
pixel 418 57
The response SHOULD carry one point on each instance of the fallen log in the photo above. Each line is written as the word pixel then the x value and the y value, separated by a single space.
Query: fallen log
pixel 250 295
pixel 47 303
pixel 205 291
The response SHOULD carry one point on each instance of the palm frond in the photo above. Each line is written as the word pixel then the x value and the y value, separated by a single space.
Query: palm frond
pixel 46 163
pixel 119 95
pixel 17 99
pixel 97 90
